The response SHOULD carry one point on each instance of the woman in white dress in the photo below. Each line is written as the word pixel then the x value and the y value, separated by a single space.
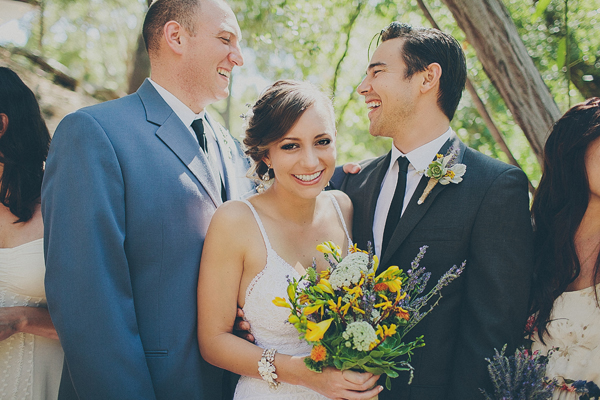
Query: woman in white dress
pixel 30 354
pixel 566 290
pixel 252 248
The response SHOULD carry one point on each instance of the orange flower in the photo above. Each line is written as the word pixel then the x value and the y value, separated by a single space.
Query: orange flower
pixel 402 313
pixel 380 287
pixel 318 353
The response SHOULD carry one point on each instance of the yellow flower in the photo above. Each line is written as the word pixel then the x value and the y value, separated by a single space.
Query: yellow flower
pixel 395 285
pixel 291 291
pixel 293 319
pixel 314 331
pixel 385 305
pixel 375 263
pixel 281 302
pixel 391 331
pixel 356 290
pixel 329 248
pixel 325 286
pixel 311 309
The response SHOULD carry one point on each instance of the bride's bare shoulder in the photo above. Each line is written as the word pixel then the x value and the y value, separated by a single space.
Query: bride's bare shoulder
pixel 233 213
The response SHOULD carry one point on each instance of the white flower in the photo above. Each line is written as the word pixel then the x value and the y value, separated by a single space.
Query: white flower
pixel 361 334
pixel 348 270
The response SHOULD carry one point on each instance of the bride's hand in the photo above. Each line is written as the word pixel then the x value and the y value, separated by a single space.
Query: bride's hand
pixel 350 385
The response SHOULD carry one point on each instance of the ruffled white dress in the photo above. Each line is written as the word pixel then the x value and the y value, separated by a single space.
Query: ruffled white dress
pixel 575 332
pixel 30 365
pixel 269 323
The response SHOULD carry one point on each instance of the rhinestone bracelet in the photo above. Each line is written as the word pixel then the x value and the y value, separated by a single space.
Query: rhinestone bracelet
pixel 266 369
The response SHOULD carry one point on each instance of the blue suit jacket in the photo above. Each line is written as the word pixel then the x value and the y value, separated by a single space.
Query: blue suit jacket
pixel 127 200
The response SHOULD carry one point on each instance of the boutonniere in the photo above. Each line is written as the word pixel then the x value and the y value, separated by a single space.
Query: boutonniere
pixel 444 170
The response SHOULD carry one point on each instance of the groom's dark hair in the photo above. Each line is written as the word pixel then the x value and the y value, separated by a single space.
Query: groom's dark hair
pixel 422 47
pixel 162 11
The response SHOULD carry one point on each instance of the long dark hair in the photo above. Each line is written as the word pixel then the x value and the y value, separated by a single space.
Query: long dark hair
pixel 559 204
pixel 23 146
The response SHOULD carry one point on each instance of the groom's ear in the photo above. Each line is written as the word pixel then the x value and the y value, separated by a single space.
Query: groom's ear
pixel 430 77
pixel 172 33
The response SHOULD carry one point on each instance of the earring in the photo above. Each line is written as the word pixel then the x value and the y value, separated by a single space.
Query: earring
pixel 263 180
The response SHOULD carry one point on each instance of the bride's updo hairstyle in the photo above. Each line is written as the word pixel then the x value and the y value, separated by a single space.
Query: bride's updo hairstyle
pixel 276 112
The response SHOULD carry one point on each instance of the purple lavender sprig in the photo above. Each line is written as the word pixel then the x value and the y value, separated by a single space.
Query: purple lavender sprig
pixel 521 376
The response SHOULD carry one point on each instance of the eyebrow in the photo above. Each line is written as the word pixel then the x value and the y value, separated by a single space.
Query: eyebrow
pixel 375 64
pixel 320 135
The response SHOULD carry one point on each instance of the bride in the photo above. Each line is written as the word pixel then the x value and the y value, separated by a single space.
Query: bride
pixel 566 290
pixel 253 247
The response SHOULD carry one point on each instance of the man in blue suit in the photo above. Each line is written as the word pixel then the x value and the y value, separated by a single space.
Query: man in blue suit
pixel 129 190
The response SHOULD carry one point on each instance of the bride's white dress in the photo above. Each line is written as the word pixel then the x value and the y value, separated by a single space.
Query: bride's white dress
pixel 575 332
pixel 269 323
pixel 30 365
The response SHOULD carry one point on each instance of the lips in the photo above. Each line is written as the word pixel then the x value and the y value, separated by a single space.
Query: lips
pixel 308 178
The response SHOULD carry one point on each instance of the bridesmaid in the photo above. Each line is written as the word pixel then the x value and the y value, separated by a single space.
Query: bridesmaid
pixel 30 354
pixel 566 289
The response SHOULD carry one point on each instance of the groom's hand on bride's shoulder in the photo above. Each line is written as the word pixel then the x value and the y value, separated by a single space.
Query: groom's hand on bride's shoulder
pixel 351 168
pixel 241 327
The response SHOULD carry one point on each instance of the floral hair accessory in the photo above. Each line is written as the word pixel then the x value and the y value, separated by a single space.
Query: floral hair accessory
pixel 444 170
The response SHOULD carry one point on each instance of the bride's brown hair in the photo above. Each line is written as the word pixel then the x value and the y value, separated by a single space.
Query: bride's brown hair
pixel 276 112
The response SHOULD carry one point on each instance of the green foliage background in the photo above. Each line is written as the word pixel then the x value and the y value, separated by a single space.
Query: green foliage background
pixel 327 43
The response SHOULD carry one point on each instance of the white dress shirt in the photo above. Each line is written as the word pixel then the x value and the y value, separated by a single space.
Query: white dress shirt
pixel 419 160
pixel 187 116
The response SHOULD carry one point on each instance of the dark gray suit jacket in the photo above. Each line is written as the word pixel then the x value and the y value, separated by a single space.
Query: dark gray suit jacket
pixel 126 200
pixel 485 220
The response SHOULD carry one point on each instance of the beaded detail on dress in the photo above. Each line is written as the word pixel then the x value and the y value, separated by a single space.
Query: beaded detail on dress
pixel 269 323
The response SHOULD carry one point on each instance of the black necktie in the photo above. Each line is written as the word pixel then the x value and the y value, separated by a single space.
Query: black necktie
pixel 198 127
pixel 397 201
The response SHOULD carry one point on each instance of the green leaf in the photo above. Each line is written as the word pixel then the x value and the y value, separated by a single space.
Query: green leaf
pixel 539 9
pixel 388 383
pixel 561 53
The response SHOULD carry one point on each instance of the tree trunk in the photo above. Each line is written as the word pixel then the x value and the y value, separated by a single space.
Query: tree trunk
pixel 491 31
pixel 139 68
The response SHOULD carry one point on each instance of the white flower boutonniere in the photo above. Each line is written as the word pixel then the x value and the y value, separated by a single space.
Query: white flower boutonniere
pixel 443 170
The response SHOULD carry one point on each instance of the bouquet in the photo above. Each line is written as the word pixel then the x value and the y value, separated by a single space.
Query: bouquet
pixel 521 376
pixel 355 318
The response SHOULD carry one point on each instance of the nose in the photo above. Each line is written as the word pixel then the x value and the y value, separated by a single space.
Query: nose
pixel 310 161
pixel 235 56
pixel 364 87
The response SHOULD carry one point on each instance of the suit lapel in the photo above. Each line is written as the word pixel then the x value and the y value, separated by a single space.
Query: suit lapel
pixel 178 139
pixel 415 212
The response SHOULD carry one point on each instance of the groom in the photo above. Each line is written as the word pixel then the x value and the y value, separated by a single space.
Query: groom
pixel 413 85
pixel 129 190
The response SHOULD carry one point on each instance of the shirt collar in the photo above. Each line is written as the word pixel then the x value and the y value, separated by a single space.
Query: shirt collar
pixel 185 114
pixel 422 156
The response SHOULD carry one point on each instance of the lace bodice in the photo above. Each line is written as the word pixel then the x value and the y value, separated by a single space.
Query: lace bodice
pixel 269 323
pixel 575 333
pixel 30 366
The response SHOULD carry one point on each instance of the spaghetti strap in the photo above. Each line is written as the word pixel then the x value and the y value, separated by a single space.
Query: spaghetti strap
pixel 339 212
pixel 260 226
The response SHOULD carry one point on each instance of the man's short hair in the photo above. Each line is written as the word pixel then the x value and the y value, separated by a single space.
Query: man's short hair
pixel 162 11
pixel 424 46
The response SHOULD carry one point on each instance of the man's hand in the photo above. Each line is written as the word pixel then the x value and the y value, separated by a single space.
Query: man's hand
pixel 351 168
pixel 241 328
